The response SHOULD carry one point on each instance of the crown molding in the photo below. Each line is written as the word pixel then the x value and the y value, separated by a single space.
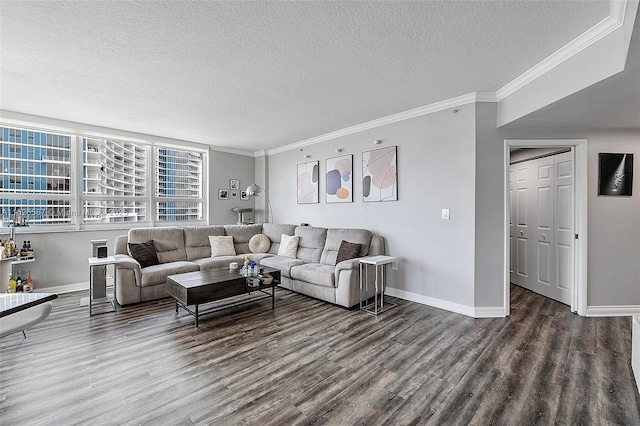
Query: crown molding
pixel 611 23
pixel 390 119
pixel 230 150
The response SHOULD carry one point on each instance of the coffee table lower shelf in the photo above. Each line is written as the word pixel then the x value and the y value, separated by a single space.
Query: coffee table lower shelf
pixel 197 313
pixel 192 289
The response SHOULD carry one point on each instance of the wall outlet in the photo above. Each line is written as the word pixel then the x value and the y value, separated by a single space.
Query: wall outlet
pixel 445 214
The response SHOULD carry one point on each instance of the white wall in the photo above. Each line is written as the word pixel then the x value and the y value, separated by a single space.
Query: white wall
pixel 61 257
pixel 436 170
pixel 489 192
pixel 224 166
pixel 614 227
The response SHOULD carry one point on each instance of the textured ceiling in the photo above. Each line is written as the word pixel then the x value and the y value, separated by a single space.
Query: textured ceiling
pixel 259 75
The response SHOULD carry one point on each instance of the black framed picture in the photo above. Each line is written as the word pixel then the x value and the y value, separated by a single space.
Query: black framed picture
pixel 615 174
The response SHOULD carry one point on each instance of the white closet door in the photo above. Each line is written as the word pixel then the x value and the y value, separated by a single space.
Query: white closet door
pixel 542 226
pixel 520 216
pixel 564 235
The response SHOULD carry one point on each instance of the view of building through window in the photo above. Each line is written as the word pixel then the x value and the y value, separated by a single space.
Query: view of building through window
pixel 114 187
pixel 36 172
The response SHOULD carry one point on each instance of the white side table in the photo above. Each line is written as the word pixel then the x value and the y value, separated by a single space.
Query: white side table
pixel 379 263
pixel 111 300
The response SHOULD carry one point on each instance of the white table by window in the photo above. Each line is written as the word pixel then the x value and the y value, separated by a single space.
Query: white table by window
pixel 379 263
pixel 110 299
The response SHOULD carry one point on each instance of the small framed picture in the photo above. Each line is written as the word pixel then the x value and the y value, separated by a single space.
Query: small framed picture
pixel 234 184
pixel 244 196
pixel 223 194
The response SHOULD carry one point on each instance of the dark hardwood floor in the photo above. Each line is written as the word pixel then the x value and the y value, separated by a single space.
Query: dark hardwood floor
pixel 309 362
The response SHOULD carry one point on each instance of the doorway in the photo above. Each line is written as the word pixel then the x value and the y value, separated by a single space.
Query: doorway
pixel 542 236
pixel 577 284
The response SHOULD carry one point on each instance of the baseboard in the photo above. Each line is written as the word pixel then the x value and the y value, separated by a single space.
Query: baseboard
pixel 67 288
pixel 490 312
pixel 613 311
pixel 470 311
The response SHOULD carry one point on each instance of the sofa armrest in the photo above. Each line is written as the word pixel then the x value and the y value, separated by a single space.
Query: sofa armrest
pixel 124 261
pixel 347 265
pixel 377 246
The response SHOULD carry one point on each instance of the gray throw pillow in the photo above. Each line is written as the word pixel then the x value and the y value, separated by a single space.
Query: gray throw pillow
pixel 144 253
pixel 348 251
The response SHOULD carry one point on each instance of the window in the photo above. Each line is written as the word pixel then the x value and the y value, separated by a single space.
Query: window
pixel 178 188
pixel 114 181
pixel 35 176
pixel 119 182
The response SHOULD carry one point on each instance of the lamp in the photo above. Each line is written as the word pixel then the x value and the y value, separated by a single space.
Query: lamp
pixel 256 190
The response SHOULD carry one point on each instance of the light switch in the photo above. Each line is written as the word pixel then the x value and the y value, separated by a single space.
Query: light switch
pixel 445 214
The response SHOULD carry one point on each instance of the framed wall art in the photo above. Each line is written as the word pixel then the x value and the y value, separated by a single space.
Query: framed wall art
pixel 615 174
pixel 339 179
pixel 244 196
pixel 380 175
pixel 307 182
pixel 223 194
pixel 234 184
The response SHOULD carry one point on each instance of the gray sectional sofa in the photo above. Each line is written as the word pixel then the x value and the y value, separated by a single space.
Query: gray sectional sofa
pixel 312 272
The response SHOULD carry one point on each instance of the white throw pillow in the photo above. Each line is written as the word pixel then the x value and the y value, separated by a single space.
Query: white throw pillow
pixel 288 246
pixel 222 246
pixel 259 243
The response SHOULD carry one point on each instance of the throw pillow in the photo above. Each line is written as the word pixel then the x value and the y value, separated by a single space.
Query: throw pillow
pixel 259 243
pixel 288 246
pixel 348 251
pixel 222 246
pixel 144 253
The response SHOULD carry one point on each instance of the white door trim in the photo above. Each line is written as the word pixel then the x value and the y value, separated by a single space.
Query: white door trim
pixel 579 148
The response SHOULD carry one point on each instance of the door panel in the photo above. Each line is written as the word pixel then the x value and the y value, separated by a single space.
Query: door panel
pixel 545 208
pixel 544 262
pixel 521 207
pixel 522 257
pixel 564 262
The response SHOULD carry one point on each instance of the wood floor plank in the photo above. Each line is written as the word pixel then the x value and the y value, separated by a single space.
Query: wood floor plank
pixel 309 362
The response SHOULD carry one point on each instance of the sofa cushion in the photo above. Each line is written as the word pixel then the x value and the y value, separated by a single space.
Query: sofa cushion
pixel 259 243
pixel 284 264
pixel 315 273
pixel 222 246
pixel 196 240
pixel 288 246
pixel 335 236
pixel 217 262
pixel 241 235
pixel 274 231
pixel 348 251
pixel 144 253
pixel 311 243
pixel 168 241
pixel 157 274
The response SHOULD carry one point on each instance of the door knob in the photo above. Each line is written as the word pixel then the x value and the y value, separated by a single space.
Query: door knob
pixel 544 237
pixel 521 233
